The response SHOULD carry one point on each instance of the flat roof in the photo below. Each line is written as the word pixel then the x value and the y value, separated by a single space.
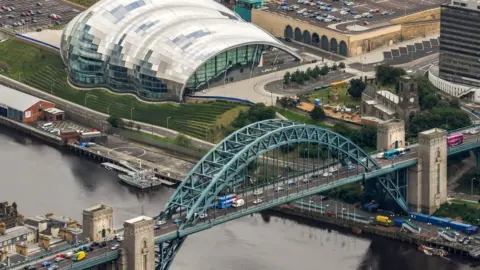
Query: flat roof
pixel 96 207
pixel 138 219
pixel 15 232
pixel 17 100
pixel 384 109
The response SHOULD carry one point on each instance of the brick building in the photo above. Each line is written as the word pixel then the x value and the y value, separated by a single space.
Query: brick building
pixel 20 106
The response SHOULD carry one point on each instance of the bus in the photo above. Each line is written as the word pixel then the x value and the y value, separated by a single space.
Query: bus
pixel 391 154
pixel 454 139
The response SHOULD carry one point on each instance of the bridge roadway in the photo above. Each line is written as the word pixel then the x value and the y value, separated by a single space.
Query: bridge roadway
pixel 302 188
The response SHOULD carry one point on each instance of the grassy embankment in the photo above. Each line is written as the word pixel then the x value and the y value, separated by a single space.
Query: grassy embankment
pixel 45 70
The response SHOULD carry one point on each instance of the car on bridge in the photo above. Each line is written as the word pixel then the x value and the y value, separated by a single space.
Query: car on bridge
pixel 258 192
pixel 278 189
pixel 257 201
pixel 161 222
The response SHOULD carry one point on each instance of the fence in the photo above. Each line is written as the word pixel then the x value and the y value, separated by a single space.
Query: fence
pixel 163 145
pixel 238 100
pixel 37 41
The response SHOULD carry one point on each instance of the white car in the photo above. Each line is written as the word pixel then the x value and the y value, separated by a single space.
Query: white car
pixel 257 201
pixel 161 222
pixel 277 189
pixel 115 247
pixel 357 16
pixel 343 12
pixel 327 174
pixel 258 192
pixel 204 215
pixel 306 180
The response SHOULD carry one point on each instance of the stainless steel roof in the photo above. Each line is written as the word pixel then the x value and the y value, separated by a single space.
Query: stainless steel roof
pixel 175 36
pixel 15 99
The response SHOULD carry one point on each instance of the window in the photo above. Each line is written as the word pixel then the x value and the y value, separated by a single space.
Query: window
pixel 438 177
pixel 145 256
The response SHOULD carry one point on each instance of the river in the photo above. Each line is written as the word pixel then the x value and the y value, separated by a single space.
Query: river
pixel 42 179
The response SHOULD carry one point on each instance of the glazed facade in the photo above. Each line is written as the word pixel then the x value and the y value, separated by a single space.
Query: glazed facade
pixel 160 49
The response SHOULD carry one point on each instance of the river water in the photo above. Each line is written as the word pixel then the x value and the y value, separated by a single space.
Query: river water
pixel 42 179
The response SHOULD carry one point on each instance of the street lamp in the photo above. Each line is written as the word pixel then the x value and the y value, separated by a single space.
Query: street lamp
pixel 131 113
pixel 167 120
pixel 87 96
pixel 51 88
pixel 471 184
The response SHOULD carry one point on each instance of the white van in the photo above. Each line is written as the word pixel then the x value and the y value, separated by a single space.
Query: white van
pixel 238 203
pixel 47 126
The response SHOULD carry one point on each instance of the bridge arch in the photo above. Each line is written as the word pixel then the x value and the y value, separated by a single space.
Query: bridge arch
pixel 307 38
pixel 316 39
pixel 334 45
pixel 288 32
pixel 325 43
pixel 298 34
pixel 218 168
pixel 343 50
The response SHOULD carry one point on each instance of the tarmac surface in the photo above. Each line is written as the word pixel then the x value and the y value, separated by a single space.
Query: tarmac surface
pixel 394 8
pixel 41 11
pixel 277 87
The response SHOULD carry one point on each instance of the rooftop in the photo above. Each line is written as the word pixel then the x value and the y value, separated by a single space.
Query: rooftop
pixel 389 95
pixel 96 207
pixel 384 109
pixel 15 99
pixel 138 219
pixel 15 232
pixel 54 111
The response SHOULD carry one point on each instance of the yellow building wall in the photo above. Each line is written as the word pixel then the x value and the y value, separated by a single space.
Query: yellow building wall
pixel 431 14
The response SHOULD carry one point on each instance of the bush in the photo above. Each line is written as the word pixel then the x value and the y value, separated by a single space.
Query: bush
pixel 356 88
pixel 257 112
pixel 183 140
pixel 317 113
pixel 115 121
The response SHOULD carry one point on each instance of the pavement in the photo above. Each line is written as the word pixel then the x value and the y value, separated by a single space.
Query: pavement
pixel 277 87
pixel 65 10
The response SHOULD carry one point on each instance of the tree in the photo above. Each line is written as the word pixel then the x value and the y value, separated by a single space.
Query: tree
pixel 356 88
pixel 429 102
pixel 334 66
pixel 115 121
pixel 183 140
pixel 439 117
pixel 324 70
pixel 255 113
pixel 388 75
pixel 317 113
pixel 341 65
pixel 286 78
pixel 287 102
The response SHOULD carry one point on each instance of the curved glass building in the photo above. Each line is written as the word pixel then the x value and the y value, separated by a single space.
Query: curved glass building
pixel 161 49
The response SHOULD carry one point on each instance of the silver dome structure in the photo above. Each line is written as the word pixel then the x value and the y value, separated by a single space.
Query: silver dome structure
pixel 157 49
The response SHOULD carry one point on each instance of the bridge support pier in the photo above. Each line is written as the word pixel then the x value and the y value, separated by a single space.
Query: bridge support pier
pixel 139 243
pixel 390 135
pixel 427 182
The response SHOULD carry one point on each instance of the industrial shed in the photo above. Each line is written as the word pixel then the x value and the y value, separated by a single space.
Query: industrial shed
pixel 20 106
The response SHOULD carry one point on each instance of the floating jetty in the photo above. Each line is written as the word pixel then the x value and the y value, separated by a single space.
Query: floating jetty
pixel 136 177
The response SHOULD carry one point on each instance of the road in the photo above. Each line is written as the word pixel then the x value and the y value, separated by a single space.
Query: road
pixel 270 193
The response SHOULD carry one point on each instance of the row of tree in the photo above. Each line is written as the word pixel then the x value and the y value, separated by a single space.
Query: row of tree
pixel 300 76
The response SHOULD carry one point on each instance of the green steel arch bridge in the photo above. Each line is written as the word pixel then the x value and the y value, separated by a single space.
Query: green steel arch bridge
pixel 251 163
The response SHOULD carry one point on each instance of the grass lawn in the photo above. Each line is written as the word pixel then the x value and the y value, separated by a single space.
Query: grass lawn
pixel 45 70
pixel 326 96
pixel 301 118
pixel 227 117
pixel 470 204
pixel 83 3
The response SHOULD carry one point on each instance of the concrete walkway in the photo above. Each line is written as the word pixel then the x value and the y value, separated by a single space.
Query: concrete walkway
pixel 376 56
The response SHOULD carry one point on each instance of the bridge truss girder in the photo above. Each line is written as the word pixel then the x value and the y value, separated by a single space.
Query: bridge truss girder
pixel 225 161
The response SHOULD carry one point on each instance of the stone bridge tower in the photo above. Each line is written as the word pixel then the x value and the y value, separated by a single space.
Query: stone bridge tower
pixel 408 105
pixel 390 134
pixel 98 222
pixel 427 182
pixel 139 243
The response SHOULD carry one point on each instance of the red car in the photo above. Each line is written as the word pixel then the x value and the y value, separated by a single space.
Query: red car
pixel 60 256
pixel 367 23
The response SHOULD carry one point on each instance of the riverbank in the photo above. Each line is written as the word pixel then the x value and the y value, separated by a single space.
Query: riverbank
pixel 290 211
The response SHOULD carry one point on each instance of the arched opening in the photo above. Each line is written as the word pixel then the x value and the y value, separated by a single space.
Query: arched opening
pixel 343 48
pixel 334 45
pixel 145 259
pixel 315 39
pixel 288 32
pixel 298 34
pixel 306 37
pixel 104 233
pixel 325 43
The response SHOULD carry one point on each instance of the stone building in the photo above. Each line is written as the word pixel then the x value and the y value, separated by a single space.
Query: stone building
pixel 9 215
pixel 385 105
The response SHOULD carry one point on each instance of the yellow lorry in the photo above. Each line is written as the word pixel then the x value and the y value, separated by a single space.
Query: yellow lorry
pixel 383 220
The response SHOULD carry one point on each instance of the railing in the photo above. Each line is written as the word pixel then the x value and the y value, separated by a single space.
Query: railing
pixel 464 129
pixel 45 255
pixel 97 260
pixel 224 98
pixel 37 41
